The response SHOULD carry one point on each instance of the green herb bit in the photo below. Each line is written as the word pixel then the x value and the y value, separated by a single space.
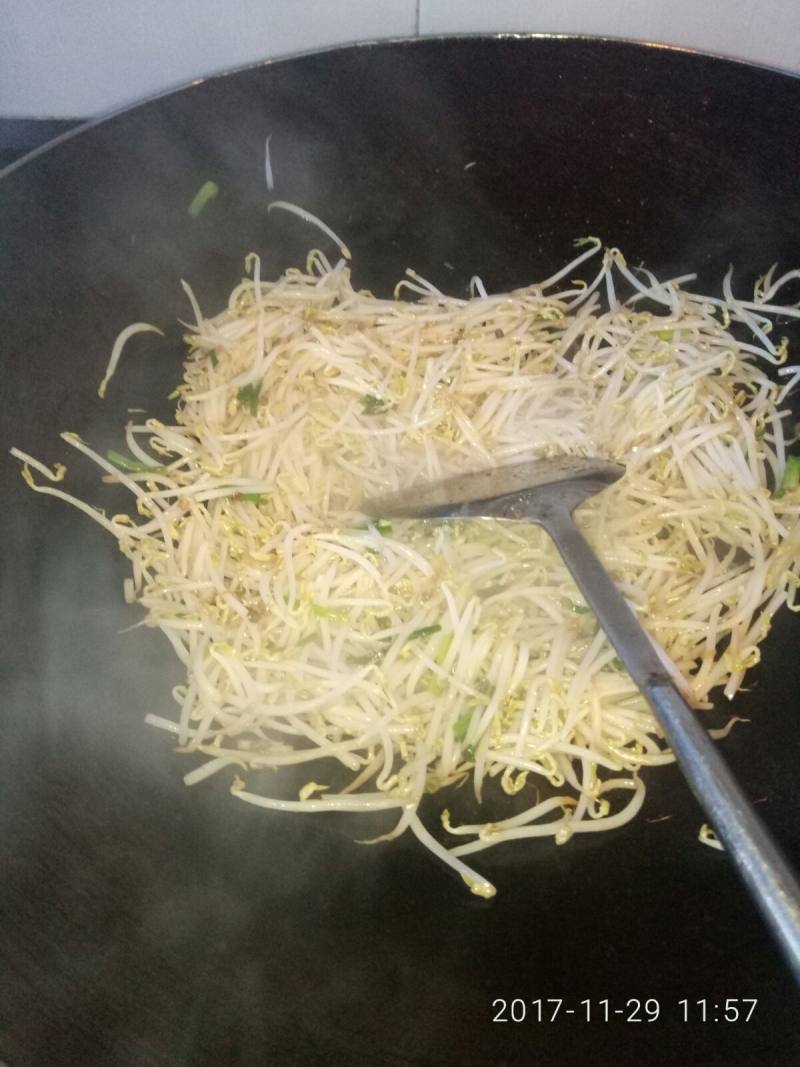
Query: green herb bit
pixel 469 753
pixel 128 463
pixel 248 396
pixel 327 613
pixel 424 631
pixel 791 476
pixel 461 725
pixel 206 193
pixel 433 683
pixel 374 405
pixel 443 649
pixel 383 526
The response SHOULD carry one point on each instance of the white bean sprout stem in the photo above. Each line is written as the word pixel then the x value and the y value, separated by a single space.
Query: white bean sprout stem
pixel 400 658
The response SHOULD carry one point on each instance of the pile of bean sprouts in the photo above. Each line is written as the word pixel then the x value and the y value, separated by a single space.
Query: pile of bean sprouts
pixel 417 655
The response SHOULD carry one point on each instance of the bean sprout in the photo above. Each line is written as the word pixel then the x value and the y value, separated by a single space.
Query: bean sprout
pixel 413 656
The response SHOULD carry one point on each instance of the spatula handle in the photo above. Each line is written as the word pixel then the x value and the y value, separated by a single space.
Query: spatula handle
pixel 760 863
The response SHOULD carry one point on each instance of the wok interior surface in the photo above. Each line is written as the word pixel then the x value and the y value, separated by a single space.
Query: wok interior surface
pixel 145 923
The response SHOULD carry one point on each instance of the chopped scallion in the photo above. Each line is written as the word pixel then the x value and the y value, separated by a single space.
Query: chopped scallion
pixel 128 463
pixel 203 196
pixel 424 631
pixel 791 476
pixel 248 396
pixel 374 405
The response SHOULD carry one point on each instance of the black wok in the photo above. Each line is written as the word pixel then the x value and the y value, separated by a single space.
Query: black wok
pixel 144 923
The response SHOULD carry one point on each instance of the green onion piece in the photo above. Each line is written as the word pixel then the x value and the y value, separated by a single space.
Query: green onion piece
pixel 791 476
pixel 434 683
pixel 374 405
pixel 383 526
pixel 206 193
pixel 128 463
pixel 424 631
pixel 461 725
pixel 443 649
pixel 328 613
pixel 253 498
pixel 248 396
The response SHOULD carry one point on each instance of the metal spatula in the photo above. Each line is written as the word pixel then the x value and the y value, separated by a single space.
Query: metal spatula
pixel 547 492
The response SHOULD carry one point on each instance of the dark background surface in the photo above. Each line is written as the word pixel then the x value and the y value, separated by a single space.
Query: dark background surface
pixel 20 136
pixel 144 923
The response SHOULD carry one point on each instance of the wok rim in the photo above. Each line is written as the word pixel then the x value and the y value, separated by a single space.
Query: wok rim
pixel 371 43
